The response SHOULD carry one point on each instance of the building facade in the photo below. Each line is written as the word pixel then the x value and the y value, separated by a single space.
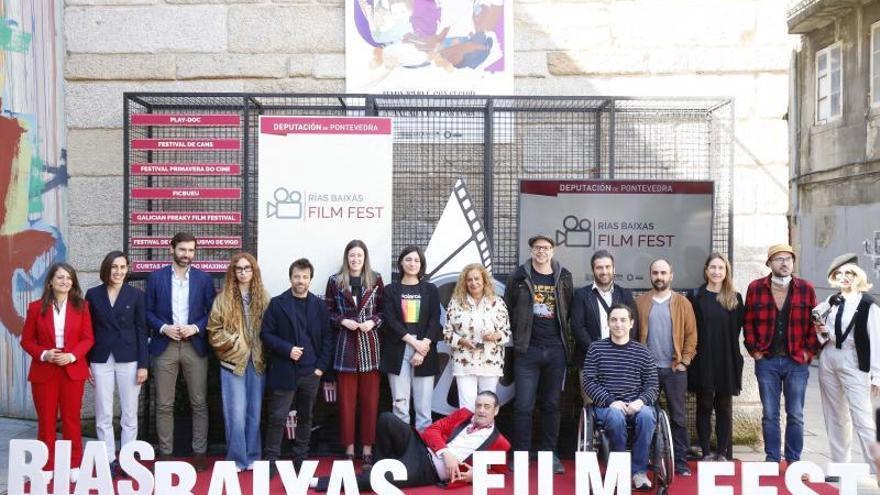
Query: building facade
pixel 834 122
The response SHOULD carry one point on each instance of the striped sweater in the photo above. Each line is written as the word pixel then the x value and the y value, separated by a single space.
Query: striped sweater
pixel 620 372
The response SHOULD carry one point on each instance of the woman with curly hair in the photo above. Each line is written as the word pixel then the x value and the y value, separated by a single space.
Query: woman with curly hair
pixel 477 327
pixel 234 334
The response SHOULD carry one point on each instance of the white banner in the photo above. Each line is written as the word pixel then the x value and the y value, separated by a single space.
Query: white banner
pixel 323 181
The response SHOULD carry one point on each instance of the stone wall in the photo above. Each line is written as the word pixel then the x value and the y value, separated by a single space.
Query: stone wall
pixel 737 48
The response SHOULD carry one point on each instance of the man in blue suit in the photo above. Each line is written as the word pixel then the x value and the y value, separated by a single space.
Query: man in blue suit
pixel 179 299
pixel 590 307
pixel 299 345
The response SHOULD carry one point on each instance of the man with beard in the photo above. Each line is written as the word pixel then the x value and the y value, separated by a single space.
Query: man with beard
pixel 591 305
pixel 299 349
pixel 669 328
pixel 179 299
pixel 780 336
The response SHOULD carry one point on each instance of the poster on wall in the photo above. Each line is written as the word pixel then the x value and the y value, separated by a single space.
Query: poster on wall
pixel 429 46
pixel 323 182
pixel 638 221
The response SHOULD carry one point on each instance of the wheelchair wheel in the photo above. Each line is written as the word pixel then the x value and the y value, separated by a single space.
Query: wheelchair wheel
pixel 663 456
pixel 586 430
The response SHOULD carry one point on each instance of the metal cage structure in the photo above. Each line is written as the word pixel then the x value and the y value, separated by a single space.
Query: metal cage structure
pixel 491 142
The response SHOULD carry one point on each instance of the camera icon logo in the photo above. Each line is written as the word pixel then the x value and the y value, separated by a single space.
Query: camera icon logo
pixel 578 233
pixel 287 205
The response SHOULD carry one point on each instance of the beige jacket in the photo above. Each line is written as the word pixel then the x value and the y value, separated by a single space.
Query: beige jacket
pixel 684 326
pixel 231 341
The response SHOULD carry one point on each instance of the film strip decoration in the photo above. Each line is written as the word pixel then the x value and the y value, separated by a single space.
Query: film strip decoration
pixel 185 174
pixel 459 237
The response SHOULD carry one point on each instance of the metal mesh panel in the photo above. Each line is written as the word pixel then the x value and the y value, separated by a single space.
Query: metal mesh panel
pixel 491 142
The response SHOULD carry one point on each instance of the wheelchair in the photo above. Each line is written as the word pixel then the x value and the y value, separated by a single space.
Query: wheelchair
pixel 591 438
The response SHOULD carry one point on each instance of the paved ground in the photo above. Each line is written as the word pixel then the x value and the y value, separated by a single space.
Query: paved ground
pixel 815 439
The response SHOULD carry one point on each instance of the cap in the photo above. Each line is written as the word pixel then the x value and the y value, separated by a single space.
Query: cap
pixel 541 237
pixel 843 259
pixel 778 248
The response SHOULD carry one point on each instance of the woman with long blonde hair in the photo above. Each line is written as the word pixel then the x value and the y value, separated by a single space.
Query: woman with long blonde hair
pixel 477 328
pixel 234 334
pixel 716 372
pixel 849 365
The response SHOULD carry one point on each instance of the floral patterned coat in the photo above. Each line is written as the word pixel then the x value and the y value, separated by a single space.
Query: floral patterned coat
pixel 472 321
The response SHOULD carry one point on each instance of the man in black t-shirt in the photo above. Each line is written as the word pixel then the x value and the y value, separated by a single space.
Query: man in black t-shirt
pixel 538 296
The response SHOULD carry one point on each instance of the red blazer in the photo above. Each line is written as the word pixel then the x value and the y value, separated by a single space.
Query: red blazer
pixel 39 335
pixel 443 431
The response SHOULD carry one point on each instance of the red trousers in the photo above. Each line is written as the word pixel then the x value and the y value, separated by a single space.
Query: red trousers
pixel 358 394
pixel 59 392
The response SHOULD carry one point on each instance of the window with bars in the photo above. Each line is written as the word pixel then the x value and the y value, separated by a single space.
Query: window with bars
pixel 829 83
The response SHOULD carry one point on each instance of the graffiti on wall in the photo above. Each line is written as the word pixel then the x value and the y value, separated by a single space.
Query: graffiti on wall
pixel 33 176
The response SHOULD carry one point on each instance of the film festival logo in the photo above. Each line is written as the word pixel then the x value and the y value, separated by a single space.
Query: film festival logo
pixel 577 233
pixel 287 205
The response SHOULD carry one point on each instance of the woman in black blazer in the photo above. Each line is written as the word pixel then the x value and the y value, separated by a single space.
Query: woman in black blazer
pixel 119 357
pixel 410 334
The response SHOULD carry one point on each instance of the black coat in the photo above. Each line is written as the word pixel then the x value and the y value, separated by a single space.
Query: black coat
pixel 394 329
pixel 520 297
pixel 718 364
pixel 585 325
pixel 279 335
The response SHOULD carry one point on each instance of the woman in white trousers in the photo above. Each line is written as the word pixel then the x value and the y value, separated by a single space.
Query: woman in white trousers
pixel 119 359
pixel 849 365
pixel 477 328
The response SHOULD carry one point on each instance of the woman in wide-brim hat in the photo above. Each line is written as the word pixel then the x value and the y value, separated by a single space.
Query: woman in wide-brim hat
pixel 849 366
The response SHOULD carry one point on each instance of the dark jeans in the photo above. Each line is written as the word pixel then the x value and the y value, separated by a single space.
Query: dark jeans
pixel 397 440
pixel 303 399
pixel 674 385
pixel 782 375
pixel 723 406
pixel 538 374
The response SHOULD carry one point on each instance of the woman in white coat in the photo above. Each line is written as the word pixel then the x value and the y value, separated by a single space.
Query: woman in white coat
pixel 849 364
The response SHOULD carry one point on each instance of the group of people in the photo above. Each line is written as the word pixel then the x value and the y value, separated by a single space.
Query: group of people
pixel 293 344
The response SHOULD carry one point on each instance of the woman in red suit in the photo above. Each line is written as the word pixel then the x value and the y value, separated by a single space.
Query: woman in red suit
pixel 57 335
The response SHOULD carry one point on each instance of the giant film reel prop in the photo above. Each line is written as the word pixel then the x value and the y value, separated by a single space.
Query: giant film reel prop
pixel 458 240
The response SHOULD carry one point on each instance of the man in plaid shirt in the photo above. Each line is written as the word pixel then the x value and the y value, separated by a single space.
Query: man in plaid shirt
pixel 780 336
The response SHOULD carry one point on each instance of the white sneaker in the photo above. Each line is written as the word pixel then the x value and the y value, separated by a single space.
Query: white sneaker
pixel 250 467
pixel 74 475
pixel 641 481
pixel 47 475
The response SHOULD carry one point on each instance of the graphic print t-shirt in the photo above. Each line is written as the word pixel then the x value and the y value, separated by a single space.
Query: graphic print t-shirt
pixel 545 325
pixel 410 307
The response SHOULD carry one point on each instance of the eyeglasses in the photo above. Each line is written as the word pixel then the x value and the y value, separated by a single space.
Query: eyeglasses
pixel 848 274
pixel 243 269
pixel 539 249
pixel 782 259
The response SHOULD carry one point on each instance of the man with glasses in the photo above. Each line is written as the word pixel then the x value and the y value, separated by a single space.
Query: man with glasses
pixel 781 337
pixel 538 296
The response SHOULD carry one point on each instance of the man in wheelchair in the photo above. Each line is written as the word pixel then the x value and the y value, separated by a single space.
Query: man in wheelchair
pixel 620 376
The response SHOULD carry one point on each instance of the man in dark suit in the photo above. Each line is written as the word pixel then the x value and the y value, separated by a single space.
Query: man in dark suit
pixel 299 345
pixel 442 453
pixel 591 304
pixel 179 299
